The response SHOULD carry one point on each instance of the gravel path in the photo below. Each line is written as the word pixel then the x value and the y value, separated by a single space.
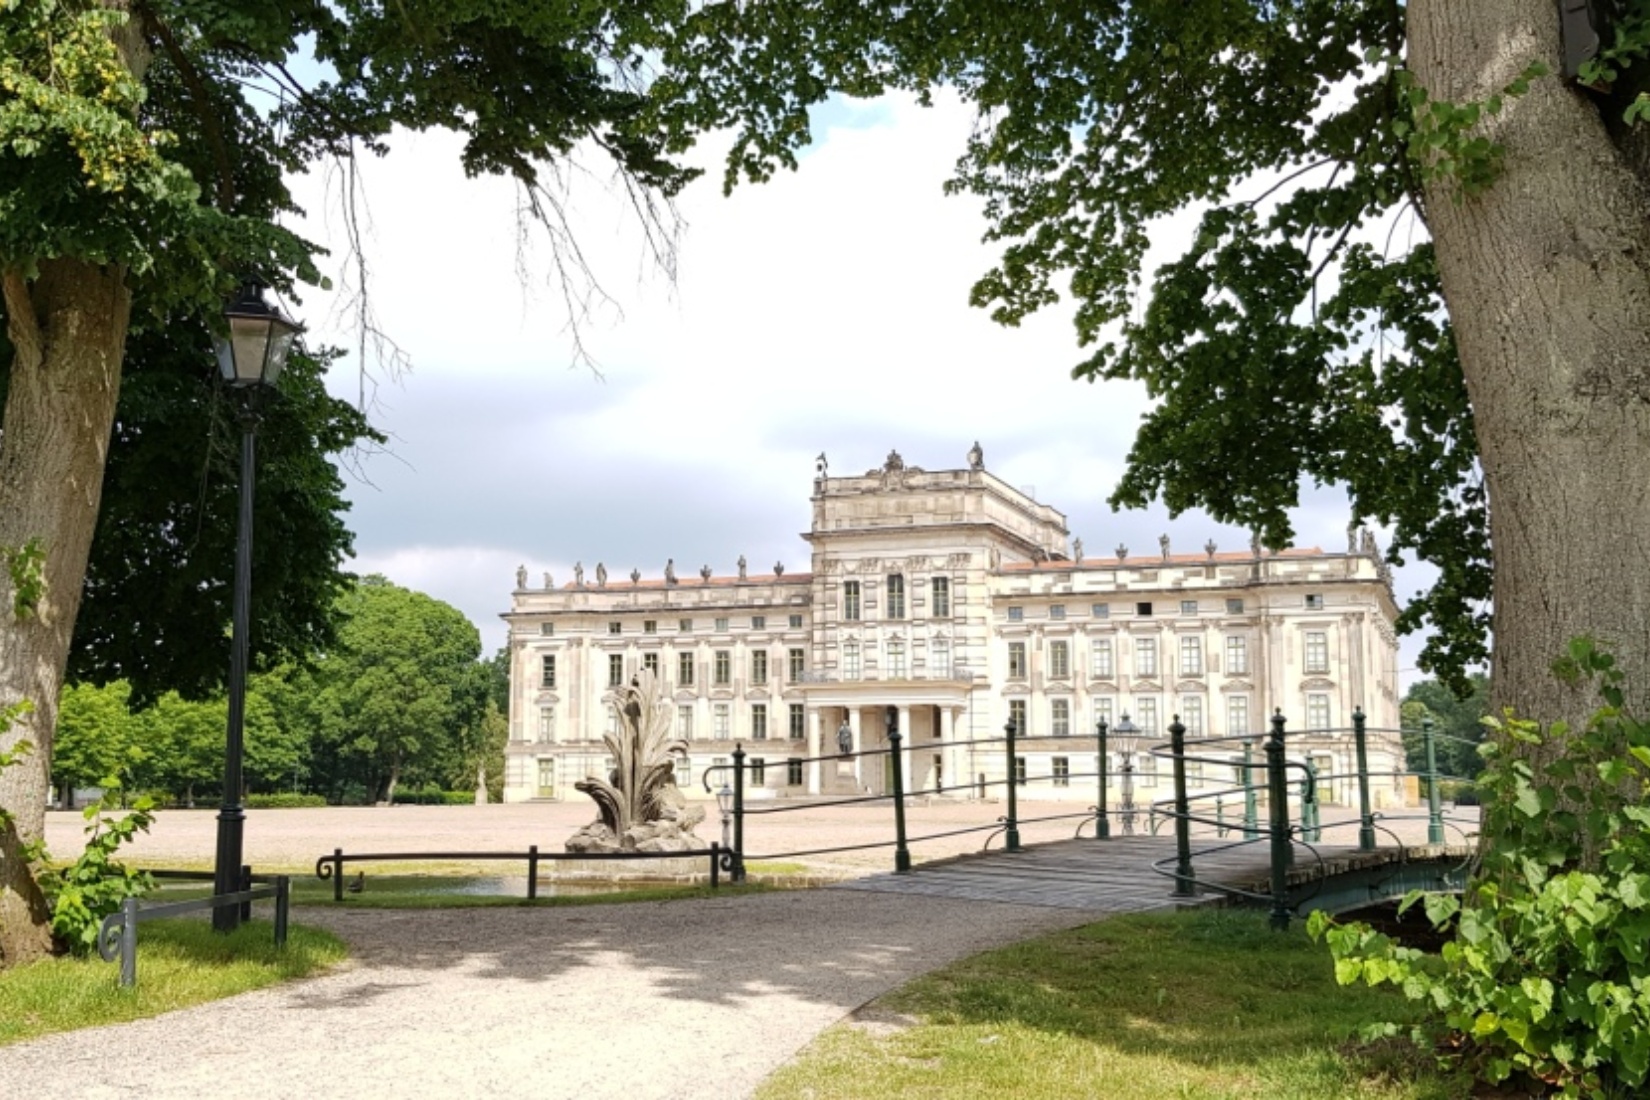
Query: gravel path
pixel 666 999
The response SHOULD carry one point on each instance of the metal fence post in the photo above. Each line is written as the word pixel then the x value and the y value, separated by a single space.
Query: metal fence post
pixel 1277 799
pixel 1309 804
pixel 1102 822
pixel 1366 819
pixel 283 899
pixel 1220 816
pixel 1012 836
pixel 246 884
pixel 128 943
pixel 738 813
pixel 337 874
pixel 1251 811
pixel 715 859
pixel 1435 814
pixel 902 856
pixel 532 871
pixel 1185 882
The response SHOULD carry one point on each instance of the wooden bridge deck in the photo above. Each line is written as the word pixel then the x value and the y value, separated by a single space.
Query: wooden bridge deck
pixel 1113 876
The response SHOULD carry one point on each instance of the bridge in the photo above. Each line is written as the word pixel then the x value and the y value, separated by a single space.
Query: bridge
pixel 1274 856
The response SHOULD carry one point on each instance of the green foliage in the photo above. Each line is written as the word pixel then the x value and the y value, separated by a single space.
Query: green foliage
pixel 1628 50
pixel 284 800
pixel 1548 971
pixel 27 568
pixel 432 796
pixel 1446 139
pixel 18 750
pixel 95 884
pixel 1457 724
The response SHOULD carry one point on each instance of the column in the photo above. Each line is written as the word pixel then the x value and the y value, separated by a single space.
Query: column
pixel 905 746
pixel 953 773
pixel 857 744
pixel 814 750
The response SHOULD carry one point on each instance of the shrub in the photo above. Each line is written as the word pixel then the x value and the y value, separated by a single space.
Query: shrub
pixel 432 796
pixel 95 885
pixel 1462 792
pixel 1548 971
pixel 284 800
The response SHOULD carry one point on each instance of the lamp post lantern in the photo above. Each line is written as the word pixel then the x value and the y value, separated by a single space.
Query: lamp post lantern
pixel 250 358
pixel 724 801
pixel 1128 739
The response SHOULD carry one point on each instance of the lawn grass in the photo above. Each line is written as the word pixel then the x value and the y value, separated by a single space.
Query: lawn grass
pixel 1206 1004
pixel 179 963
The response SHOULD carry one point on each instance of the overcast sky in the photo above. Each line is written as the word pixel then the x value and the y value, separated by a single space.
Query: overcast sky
pixel 826 311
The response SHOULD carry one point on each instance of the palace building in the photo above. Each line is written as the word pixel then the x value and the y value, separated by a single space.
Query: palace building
pixel 960 602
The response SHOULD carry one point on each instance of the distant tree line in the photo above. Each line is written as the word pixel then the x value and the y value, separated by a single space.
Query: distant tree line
pixel 402 699
pixel 1457 726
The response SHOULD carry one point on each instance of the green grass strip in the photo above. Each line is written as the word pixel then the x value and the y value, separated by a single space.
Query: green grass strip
pixel 179 963
pixel 1196 1006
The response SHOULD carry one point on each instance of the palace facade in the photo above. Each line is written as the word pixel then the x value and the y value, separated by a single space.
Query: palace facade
pixel 960 602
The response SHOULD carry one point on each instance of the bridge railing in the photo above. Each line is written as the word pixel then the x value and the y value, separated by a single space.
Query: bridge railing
pixel 1281 832
pixel 1271 783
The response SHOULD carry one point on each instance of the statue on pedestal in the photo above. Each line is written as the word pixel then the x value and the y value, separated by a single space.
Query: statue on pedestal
pixel 741 567
pixel 521 577
pixel 601 575
pixel 578 574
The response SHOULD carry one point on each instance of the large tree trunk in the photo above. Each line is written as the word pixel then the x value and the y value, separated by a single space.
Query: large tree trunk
pixel 1547 278
pixel 69 330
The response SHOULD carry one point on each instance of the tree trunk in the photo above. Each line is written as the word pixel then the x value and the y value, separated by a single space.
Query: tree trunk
pixel 1547 278
pixel 69 330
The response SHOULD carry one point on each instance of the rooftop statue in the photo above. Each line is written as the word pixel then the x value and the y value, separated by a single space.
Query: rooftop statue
pixel 521 577
pixel 641 809
pixel 601 575
pixel 976 457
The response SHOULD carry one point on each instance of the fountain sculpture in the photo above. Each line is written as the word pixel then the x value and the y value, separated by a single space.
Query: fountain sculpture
pixel 641 808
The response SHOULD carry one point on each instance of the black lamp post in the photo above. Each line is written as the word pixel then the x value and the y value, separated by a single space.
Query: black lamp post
pixel 250 358
pixel 1128 738
pixel 724 802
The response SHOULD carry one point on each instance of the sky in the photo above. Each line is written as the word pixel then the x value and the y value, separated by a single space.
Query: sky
pixel 824 311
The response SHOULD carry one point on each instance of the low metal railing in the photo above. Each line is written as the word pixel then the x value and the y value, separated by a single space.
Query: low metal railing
pixel 721 859
pixel 117 935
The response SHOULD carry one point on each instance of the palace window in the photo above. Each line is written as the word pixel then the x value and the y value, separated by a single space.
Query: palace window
pixel 1103 669
pixel 547 671
pixel 1317 652
pixel 850 600
pixel 1145 711
pixel 798 722
pixel 615 670
pixel 896 596
pixel 1059 717
pixel 759 771
pixel 684 772
pixel 547 629
pixel 1062 771
pixel 1145 657
pixel 1102 712
pixel 547 723
pixel 759 721
pixel 1191 656
pixel 650 661
pixel 896 659
pixel 1056 610
pixel 1237 656
pixel 1016 614
pixel 1019 771
pixel 650 626
pixel 1188 607
pixel 1314 602
pixel 1016 660
pixel 1017 715
pixel 759 622
pixel 1234 606
pixel 941 588
pixel 793 773
pixel 850 660
pixel 1059 660
pixel 615 628
pixel 1100 610
pixel 759 666
pixel 684 722
pixel 1317 712
pixel 1143 608
pixel 684 626
pixel 795 665
pixel 1191 714
pixel 1237 715
pixel 719 721
pixel 796 622
pixel 684 669
pixel 721 626
pixel 722 668
pixel 939 659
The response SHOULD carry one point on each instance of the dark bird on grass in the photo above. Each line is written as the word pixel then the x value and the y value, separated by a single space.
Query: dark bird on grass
pixel 358 883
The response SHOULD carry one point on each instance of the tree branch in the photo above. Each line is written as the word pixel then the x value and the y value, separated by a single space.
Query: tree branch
pixel 22 325
pixel 200 100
